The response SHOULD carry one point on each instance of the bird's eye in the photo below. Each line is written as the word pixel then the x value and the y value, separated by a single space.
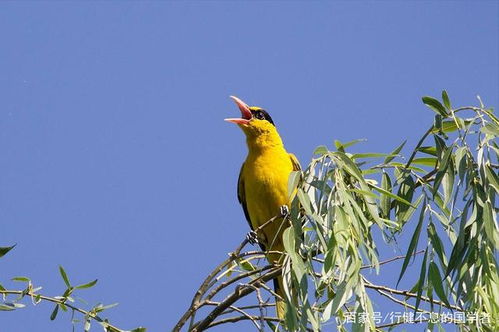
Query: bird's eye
pixel 259 115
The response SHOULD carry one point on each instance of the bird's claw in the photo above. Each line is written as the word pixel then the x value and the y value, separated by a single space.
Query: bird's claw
pixel 252 237
pixel 284 210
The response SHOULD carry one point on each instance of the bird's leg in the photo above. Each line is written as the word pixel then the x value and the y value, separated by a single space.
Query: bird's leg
pixel 252 237
pixel 284 210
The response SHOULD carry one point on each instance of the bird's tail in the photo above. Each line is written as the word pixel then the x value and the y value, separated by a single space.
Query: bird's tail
pixel 280 303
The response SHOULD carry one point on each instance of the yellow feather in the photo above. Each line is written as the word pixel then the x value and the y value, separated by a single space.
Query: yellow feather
pixel 263 188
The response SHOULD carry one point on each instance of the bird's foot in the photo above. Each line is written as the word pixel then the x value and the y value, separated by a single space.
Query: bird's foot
pixel 252 237
pixel 284 210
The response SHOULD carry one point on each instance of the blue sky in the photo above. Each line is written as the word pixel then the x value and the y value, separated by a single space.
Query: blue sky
pixel 116 162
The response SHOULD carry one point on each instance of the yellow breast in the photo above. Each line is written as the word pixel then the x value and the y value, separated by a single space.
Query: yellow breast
pixel 266 181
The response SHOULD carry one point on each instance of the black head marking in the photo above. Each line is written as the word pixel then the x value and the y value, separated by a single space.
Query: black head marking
pixel 261 114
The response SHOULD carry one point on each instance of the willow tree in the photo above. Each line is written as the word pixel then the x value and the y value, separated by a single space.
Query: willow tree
pixel 347 205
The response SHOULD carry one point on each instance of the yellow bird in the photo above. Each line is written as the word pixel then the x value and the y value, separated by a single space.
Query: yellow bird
pixel 262 187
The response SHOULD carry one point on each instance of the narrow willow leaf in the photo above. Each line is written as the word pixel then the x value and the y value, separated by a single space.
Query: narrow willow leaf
pixel 404 217
pixel 305 201
pixel 425 161
pixel 490 129
pixel 53 315
pixel 437 124
pixel 389 194
pixel 341 296
pixel 293 180
pixel 414 242
pixel 405 192
pixel 394 153
pixel 87 285
pixel 448 183
pixel 368 155
pixel 436 281
pixel 342 146
pixel 320 150
pixel 5 250
pixel 437 245
pixel 386 185
pixel 490 113
pixel 492 177
pixel 404 167
pixel 451 125
pixel 364 192
pixel 446 100
pixel 490 225
pixel 23 279
pixel 421 280
pixel 442 168
pixel 348 165
pixel 435 105
pixel 431 150
pixel 7 307
pixel 439 144
pixel 289 244
pixel 87 325
pixel 460 161
pixel 64 276
pixel 245 265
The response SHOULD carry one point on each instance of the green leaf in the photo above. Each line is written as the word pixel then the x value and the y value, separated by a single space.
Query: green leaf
pixel 492 177
pixel 342 146
pixel 368 155
pixel 22 279
pixel 435 105
pixel 87 324
pixel 289 244
pixel 340 298
pixel 87 285
pixel 53 315
pixel 7 307
pixel 389 194
pixel 446 100
pixel 386 185
pixel 245 265
pixel 293 180
pixel 460 161
pixel 490 129
pixel 451 126
pixel 437 245
pixel 394 153
pixel 421 280
pixel 320 150
pixel 436 280
pixel 425 161
pixel 64 276
pixel 448 183
pixel 431 150
pixel 305 201
pixel 405 192
pixel 139 329
pixel 5 250
pixel 414 242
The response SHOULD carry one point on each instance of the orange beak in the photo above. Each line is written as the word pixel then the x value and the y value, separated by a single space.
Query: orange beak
pixel 246 115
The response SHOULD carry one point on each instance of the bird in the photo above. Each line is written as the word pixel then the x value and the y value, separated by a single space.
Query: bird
pixel 262 186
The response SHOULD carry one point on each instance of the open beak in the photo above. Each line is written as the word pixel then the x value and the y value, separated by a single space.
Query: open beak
pixel 246 115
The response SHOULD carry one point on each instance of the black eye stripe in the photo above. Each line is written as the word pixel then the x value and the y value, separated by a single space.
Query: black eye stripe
pixel 261 114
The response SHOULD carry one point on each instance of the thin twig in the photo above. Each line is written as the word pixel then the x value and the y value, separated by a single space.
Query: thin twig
pixel 62 301
pixel 391 260
pixel 207 283
pixel 408 294
pixel 239 292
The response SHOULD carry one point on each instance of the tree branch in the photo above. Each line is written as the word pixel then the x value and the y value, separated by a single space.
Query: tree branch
pixel 62 302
